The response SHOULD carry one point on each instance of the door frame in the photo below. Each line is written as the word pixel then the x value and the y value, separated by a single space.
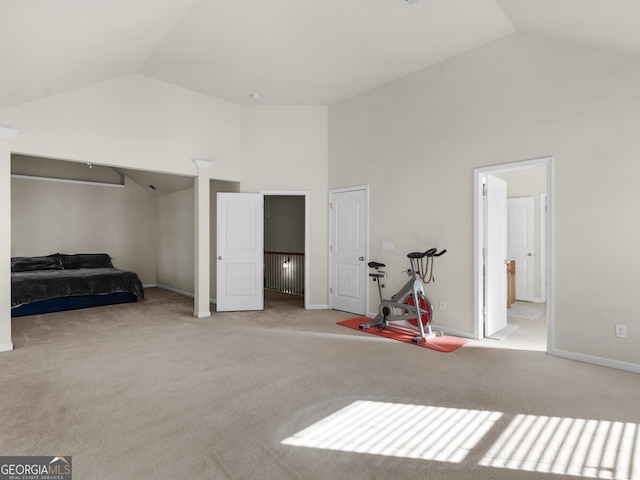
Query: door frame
pixel 307 215
pixel 333 191
pixel 478 242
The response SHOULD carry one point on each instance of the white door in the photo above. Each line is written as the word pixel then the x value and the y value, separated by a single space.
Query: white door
pixel 348 250
pixel 495 287
pixel 240 253
pixel 521 245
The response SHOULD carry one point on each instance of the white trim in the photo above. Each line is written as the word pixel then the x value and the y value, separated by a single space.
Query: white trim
pixel 67 180
pixel 201 163
pixel 349 189
pixel 317 307
pixel 175 290
pixel 307 229
pixel 478 220
pixel 603 362
pixel 6 347
pixel 543 247
pixel 451 331
pixel 9 133
pixel 201 314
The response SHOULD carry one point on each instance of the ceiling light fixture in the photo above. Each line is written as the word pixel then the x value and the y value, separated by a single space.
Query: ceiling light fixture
pixel 255 96
pixel 408 3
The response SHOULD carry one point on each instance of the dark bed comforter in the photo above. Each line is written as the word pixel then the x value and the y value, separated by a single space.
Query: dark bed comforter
pixel 46 284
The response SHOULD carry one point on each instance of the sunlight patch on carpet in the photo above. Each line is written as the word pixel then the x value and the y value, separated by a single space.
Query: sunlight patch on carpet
pixel 530 443
pixel 399 430
pixel 568 446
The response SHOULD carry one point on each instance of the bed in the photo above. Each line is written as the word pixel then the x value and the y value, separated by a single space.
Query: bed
pixel 61 282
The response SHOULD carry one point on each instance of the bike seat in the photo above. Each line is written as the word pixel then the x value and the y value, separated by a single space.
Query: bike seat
pixel 376 265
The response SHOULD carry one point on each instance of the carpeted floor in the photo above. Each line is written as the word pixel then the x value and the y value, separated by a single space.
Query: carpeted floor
pixel 142 391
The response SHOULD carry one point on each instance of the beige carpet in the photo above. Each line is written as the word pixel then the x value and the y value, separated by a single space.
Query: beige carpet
pixel 145 391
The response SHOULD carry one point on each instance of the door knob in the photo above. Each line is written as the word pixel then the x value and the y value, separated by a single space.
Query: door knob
pixel 361 259
pixel 530 254
pixel 220 257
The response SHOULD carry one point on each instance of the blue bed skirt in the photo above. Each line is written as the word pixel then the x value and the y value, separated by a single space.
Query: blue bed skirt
pixel 63 304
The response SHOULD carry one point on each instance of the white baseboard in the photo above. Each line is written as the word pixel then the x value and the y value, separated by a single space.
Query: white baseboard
pixel 175 290
pixel 603 362
pixel 317 307
pixel 6 347
pixel 201 314
pixel 451 331
pixel 180 292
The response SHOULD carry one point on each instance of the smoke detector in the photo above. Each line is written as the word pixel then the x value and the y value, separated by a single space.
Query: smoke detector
pixel 408 3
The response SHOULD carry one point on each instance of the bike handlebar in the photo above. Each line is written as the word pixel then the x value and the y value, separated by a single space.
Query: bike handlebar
pixel 432 252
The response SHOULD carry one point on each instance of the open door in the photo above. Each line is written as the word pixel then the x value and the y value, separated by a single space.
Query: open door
pixel 349 237
pixel 240 252
pixel 495 249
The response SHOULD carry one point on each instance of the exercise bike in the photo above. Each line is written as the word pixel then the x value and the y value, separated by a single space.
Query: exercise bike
pixel 402 311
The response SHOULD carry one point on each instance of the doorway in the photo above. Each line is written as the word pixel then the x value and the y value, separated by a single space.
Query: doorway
pixel 526 178
pixel 286 265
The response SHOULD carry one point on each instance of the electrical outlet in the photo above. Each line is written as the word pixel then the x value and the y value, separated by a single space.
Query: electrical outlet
pixel 621 331
pixel 443 305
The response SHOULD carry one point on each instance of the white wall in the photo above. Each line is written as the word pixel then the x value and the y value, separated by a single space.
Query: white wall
pixel 139 123
pixel 131 121
pixel 416 140
pixel 175 256
pixel 285 148
pixel 52 217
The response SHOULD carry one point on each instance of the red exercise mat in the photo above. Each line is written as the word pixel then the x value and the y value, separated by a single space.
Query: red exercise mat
pixel 441 344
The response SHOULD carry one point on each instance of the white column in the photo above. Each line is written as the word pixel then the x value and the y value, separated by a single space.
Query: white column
pixel 6 135
pixel 202 301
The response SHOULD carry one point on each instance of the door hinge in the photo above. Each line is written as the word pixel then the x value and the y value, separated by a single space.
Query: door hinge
pixel 484 189
pixel 331 291
pixel 330 205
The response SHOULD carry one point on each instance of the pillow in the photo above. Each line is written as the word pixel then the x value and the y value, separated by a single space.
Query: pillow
pixel 28 264
pixel 86 260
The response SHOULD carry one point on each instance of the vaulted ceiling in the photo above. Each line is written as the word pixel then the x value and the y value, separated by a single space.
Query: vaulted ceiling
pixel 291 52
